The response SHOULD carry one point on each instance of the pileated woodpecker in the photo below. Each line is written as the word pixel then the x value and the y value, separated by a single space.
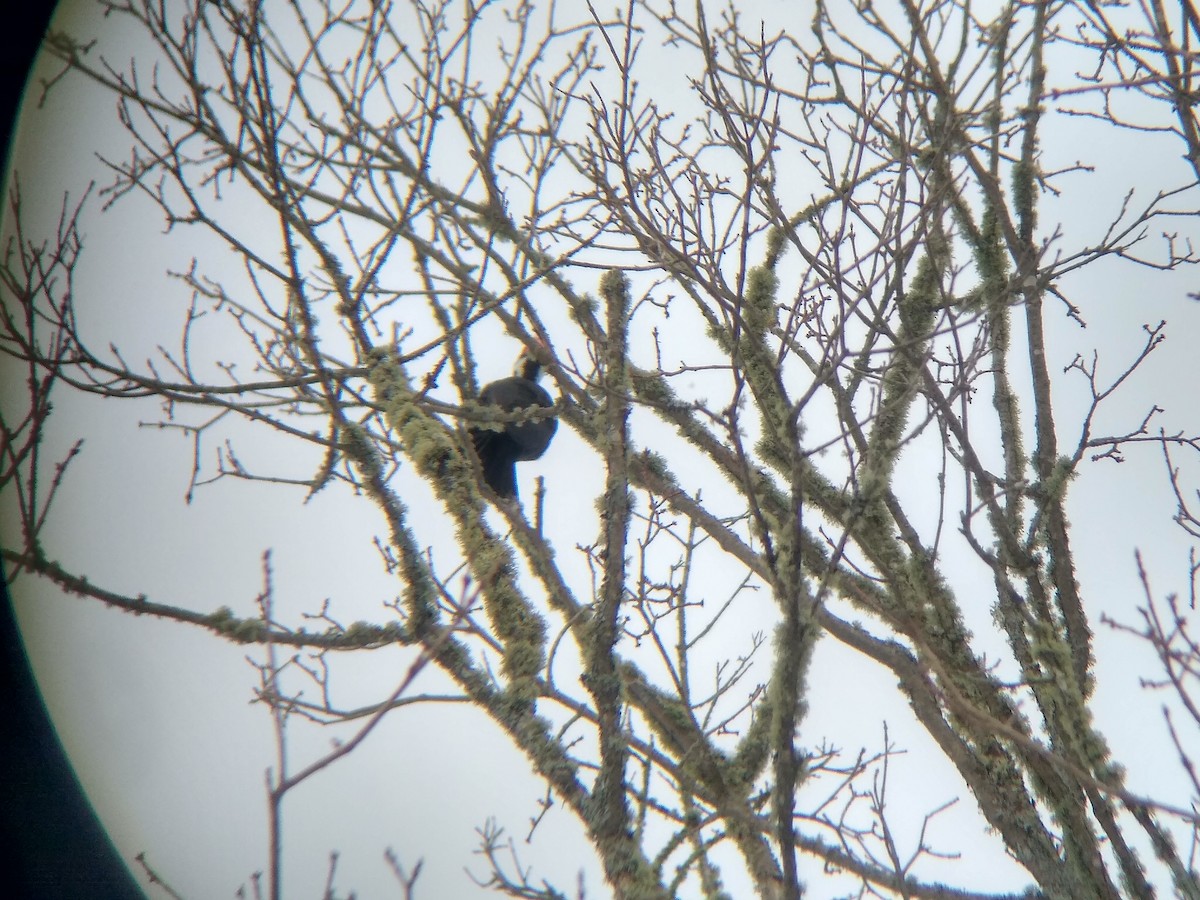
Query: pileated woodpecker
pixel 499 451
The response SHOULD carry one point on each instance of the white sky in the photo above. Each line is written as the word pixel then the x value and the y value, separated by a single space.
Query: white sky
pixel 156 716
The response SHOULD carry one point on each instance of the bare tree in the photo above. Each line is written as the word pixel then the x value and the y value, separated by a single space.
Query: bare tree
pixel 797 281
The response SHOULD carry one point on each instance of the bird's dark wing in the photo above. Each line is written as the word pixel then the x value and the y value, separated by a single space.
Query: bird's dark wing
pixel 514 393
pixel 529 439
pixel 533 437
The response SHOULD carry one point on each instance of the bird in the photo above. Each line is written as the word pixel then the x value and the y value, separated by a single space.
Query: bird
pixel 500 451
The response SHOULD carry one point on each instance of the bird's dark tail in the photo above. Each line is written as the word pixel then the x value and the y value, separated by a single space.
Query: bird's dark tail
pixel 500 473
pixel 498 461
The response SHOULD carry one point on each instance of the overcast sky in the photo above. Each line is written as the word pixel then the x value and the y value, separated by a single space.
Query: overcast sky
pixel 157 716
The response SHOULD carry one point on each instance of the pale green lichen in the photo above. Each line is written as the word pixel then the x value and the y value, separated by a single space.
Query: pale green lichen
pixel 437 456
pixel 760 310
